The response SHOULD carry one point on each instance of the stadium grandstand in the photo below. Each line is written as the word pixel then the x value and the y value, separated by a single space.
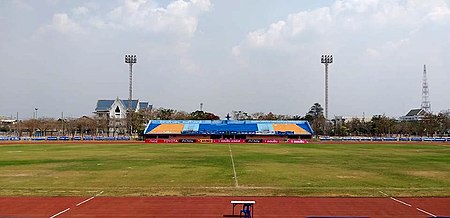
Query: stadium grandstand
pixel 166 131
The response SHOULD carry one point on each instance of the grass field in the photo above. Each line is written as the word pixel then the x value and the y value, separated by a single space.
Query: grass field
pixel 206 169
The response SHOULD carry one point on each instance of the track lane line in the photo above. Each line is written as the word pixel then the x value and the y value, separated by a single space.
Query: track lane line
pixel 409 205
pixel 395 199
pixel 85 201
pixel 61 212
pixel 89 199
pixel 402 202
pixel 423 211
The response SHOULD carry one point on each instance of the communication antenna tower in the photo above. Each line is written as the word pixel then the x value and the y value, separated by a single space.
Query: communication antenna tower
pixel 426 105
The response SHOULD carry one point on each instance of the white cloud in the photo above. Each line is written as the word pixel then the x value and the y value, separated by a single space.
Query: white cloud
pixel 372 52
pixel 177 18
pixel 63 24
pixel 180 17
pixel 269 38
pixel 22 5
pixel 375 44
pixel 333 26
pixel 80 10
pixel 358 6
pixel 440 12
pixel 396 45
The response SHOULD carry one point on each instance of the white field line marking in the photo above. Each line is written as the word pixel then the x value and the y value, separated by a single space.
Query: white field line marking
pixel 384 193
pixel 234 168
pixel 425 212
pixel 89 199
pixel 409 205
pixel 60 213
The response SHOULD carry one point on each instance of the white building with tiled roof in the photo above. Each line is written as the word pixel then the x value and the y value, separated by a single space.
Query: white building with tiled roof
pixel 118 108
pixel 414 115
pixel 114 113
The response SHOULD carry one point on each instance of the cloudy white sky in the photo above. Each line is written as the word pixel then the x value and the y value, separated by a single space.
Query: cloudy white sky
pixel 253 55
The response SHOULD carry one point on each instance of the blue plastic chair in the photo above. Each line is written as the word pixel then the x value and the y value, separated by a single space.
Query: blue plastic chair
pixel 245 211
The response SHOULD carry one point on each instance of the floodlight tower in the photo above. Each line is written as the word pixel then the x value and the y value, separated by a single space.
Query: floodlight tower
pixel 326 59
pixel 130 60
pixel 426 105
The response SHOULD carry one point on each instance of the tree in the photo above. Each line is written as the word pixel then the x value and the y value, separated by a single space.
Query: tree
pixel 317 120
pixel 71 126
pixel 433 124
pixel 30 126
pixel 382 125
pixel 257 116
pixel 241 115
pixel 181 115
pixel 357 126
pixel 163 114
pixel 86 125
pixel 201 115
pixel 269 116
pixel 315 111
pixel 444 123
pixel 102 124
pixel 47 124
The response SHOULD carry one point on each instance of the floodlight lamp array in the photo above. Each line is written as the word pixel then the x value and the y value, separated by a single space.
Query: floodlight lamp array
pixel 130 59
pixel 327 59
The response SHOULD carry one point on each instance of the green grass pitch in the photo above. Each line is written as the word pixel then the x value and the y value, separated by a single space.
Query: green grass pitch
pixel 206 169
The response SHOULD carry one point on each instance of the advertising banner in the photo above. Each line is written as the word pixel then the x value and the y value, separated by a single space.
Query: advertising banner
pixel 271 141
pixel 229 140
pixel 254 140
pixel 205 140
pixel 297 141
pixel 167 140
pixel 161 140
pixel 188 140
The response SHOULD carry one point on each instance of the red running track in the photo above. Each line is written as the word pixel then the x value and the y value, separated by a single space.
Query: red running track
pixel 221 207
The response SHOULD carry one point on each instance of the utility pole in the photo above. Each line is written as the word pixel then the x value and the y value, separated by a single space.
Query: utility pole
pixel 326 59
pixel 62 122
pixel 18 124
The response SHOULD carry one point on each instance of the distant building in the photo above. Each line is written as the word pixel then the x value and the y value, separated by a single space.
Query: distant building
pixel 118 108
pixel 339 120
pixel 446 112
pixel 114 113
pixel 414 115
pixel 7 121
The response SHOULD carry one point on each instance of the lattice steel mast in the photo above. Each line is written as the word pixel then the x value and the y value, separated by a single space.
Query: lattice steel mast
pixel 426 105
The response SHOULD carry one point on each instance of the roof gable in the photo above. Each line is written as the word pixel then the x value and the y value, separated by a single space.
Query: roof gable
pixel 143 105
pixel 414 112
pixel 104 105
pixel 133 104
